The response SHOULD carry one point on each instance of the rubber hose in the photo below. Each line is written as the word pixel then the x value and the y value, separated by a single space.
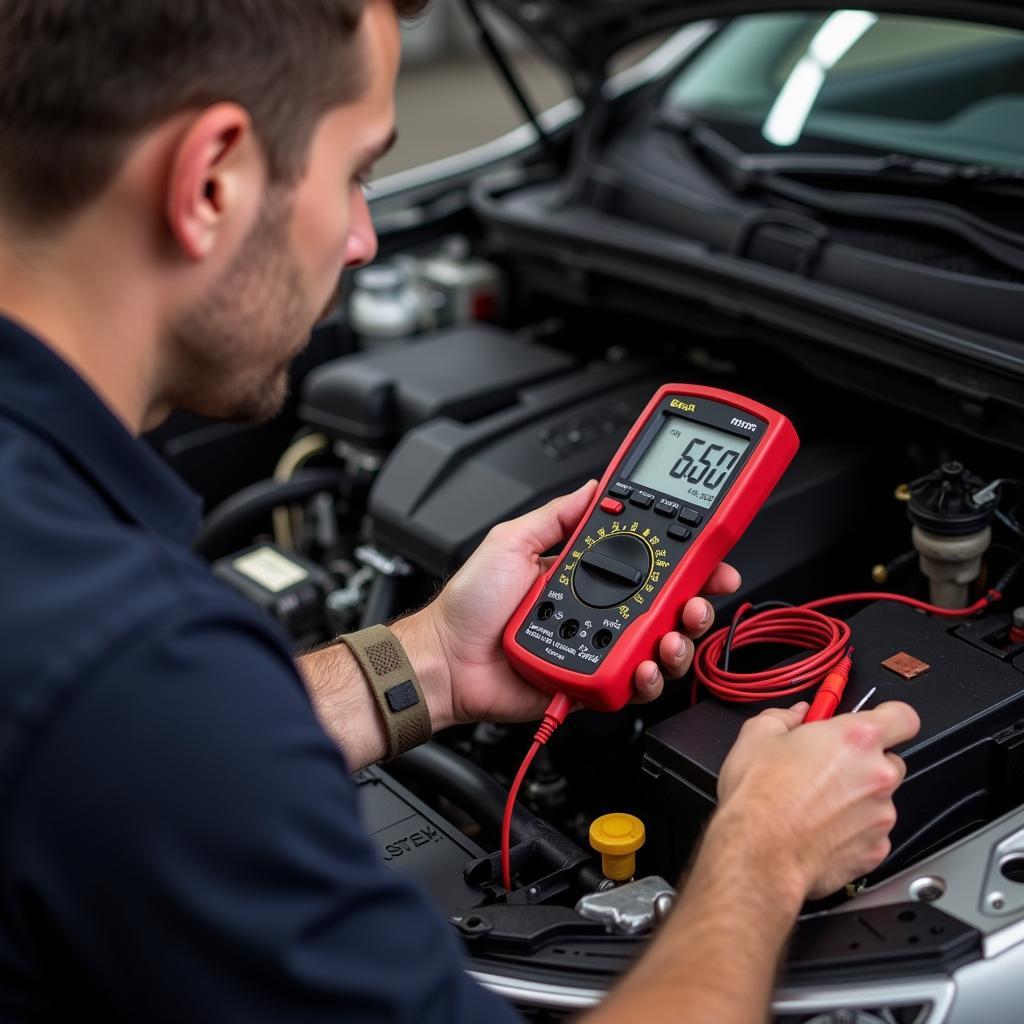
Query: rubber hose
pixel 223 529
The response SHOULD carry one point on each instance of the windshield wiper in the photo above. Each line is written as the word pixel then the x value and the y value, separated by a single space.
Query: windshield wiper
pixel 891 166
pixel 842 165
pixel 745 174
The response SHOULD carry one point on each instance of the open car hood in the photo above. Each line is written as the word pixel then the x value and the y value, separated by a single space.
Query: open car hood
pixel 582 35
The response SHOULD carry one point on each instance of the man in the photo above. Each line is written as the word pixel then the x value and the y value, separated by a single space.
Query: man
pixel 180 185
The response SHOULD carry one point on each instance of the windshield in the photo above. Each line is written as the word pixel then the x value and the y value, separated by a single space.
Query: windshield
pixel 851 79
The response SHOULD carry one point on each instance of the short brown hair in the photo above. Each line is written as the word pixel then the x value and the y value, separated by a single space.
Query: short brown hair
pixel 79 79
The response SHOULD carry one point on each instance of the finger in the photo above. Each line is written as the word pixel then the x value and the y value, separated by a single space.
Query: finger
pixel 648 682
pixel 676 653
pixel 900 765
pixel 549 525
pixel 777 721
pixel 724 580
pixel 698 617
pixel 896 721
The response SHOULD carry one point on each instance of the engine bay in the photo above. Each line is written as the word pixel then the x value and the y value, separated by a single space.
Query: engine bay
pixel 407 466
pixel 551 307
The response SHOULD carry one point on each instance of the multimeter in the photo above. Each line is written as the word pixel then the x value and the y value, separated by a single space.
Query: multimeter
pixel 684 485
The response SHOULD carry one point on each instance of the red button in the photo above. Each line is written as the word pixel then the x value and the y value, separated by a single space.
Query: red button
pixel 611 506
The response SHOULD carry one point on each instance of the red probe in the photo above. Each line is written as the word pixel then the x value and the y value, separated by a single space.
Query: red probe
pixel 830 693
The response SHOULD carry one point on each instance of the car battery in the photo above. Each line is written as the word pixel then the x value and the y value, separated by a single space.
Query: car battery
pixel 963 768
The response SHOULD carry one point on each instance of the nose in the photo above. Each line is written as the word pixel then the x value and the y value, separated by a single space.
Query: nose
pixel 362 239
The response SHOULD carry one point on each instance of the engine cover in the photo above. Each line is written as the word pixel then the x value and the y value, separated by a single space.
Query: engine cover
pixel 447 483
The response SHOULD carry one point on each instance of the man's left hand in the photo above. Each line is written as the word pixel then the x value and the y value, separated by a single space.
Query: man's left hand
pixel 469 616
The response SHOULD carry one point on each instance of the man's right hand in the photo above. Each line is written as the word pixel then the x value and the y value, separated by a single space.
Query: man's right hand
pixel 819 796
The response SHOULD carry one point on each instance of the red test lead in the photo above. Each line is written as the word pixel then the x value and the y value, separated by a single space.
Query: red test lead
pixel 830 693
pixel 554 716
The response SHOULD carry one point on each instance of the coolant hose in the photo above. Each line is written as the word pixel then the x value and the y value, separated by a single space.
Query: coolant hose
pixel 225 528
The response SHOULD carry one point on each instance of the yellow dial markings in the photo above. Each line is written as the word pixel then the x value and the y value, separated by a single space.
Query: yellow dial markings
pixel 658 562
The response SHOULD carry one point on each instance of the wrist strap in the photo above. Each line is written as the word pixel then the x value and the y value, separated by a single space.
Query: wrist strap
pixel 394 685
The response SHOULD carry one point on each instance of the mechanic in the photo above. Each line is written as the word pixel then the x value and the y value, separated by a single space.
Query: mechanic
pixel 180 186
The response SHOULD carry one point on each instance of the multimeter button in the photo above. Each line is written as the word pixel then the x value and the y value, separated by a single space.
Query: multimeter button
pixel 642 500
pixel 678 532
pixel 611 506
pixel 690 517
pixel 666 508
pixel 612 571
pixel 620 490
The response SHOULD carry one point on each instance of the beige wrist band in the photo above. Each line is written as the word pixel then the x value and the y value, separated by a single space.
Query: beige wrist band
pixel 394 686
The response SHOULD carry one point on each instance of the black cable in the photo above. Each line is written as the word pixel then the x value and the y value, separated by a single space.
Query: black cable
pixel 737 619
pixel 225 528
pixel 1005 581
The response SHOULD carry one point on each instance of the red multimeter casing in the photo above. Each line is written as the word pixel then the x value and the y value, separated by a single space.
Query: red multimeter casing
pixel 690 476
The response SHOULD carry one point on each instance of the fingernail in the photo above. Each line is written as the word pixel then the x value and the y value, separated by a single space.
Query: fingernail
pixel 652 676
pixel 800 706
pixel 683 647
pixel 707 613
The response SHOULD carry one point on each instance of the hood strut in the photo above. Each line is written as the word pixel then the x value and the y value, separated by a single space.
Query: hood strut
pixel 490 44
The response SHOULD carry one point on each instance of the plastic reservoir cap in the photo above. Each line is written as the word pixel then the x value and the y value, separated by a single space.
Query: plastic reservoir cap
pixel 617 837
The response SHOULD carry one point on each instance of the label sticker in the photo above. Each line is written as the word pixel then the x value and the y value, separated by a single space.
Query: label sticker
pixel 270 569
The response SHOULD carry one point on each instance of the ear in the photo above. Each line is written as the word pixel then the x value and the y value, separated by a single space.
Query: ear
pixel 217 178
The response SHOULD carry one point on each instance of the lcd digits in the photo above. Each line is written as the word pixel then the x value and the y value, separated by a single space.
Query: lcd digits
pixel 690 461
pixel 704 462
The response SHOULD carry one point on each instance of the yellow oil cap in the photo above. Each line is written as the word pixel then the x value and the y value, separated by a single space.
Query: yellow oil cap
pixel 617 837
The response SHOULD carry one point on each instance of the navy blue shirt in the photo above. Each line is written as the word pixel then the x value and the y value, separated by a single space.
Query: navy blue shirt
pixel 180 838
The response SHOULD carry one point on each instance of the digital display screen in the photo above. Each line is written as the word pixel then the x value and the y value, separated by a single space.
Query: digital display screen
pixel 690 461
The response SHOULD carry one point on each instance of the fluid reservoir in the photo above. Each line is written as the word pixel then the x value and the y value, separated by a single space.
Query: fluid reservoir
pixel 951 532
pixel 386 304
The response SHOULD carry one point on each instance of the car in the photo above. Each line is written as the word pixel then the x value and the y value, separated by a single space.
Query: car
pixel 820 208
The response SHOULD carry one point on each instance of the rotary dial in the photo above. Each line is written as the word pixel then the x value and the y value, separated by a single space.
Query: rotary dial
pixel 612 571
pixel 619 564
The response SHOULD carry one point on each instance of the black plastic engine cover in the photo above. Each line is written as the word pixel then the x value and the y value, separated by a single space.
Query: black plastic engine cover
pixel 447 483
pixel 962 768
pixel 371 398
pixel 412 840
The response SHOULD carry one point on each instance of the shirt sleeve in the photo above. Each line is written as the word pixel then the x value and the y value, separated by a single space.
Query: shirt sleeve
pixel 185 846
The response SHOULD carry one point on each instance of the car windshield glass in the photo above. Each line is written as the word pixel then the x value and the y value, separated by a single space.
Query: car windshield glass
pixel 850 79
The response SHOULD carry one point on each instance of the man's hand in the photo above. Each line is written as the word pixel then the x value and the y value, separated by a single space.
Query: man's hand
pixel 471 612
pixel 817 796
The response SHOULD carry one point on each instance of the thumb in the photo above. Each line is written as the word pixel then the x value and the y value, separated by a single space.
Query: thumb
pixel 550 524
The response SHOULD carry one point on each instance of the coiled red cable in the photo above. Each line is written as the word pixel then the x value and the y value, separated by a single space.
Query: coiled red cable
pixel 803 627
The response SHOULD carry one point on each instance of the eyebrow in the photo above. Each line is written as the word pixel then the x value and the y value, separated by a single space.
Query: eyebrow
pixel 374 153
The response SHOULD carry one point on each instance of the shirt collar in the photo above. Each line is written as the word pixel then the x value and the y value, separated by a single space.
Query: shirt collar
pixel 41 391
